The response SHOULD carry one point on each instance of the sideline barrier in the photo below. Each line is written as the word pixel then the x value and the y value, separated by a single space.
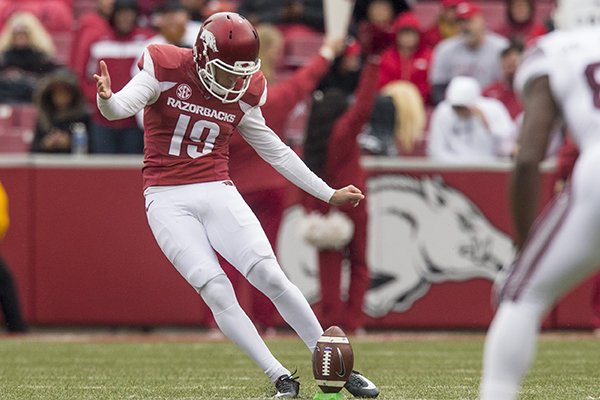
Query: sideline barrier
pixel 82 253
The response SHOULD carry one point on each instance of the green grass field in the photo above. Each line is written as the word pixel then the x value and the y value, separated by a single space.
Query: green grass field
pixel 412 366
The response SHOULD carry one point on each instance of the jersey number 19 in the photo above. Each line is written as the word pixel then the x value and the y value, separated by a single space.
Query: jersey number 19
pixel 204 146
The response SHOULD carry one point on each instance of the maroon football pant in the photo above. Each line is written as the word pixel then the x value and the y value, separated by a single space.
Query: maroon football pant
pixel 348 313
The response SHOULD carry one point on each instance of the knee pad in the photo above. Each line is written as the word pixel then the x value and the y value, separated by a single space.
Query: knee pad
pixel 267 276
pixel 218 294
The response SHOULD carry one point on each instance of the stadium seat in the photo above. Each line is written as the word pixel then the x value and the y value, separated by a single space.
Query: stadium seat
pixel 300 45
pixel 55 15
pixel 16 127
pixel 63 42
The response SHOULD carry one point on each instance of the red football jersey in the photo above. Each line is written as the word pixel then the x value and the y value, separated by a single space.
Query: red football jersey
pixel 187 130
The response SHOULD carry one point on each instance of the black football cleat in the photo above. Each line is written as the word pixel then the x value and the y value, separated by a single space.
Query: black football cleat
pixel 361 387
pixel 287 386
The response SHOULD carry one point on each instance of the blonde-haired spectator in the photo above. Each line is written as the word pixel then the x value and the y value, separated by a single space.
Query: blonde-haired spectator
pixel 397 122
pixel 24 23
pixel 410 117
pixel 26 54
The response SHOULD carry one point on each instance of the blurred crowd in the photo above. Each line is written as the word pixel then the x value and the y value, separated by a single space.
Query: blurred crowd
pixel 47 62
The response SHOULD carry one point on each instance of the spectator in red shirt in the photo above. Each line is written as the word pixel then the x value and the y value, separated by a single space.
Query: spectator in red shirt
pixel 409 59
pixel 331 148
pixel 87 24
pixel 263 188
pixel 503 89
pixel 120 47
pixel 377 24
pixel 445 26
pixel 520 21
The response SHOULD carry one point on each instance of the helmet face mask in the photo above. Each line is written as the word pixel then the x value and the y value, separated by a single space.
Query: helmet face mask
pixel 226 42
pixel 570 14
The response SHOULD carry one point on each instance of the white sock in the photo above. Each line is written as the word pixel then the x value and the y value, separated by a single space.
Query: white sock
pixel 509 350
pixel 268 277
pixel 219 296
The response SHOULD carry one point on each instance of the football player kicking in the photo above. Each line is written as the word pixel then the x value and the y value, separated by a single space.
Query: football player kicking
pixel 193 99
pixel 558 78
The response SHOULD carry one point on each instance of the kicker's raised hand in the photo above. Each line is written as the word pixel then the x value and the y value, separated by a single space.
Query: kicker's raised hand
pixel 349 194
pixel 103 82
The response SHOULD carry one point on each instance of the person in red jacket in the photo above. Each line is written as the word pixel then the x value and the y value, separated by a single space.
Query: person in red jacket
pixel 521 22
pixel 409 59
pixel 120 46
pixel 331 149
pixel 263 188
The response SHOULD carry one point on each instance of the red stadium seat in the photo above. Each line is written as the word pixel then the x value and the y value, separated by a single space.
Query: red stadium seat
pixel 17 124
pixel 63 42
pixel 300 45
pixel 55 15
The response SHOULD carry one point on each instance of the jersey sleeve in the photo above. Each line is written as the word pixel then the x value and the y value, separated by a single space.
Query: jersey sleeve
pixel 141 90
pixel 535 64
pixel 271 149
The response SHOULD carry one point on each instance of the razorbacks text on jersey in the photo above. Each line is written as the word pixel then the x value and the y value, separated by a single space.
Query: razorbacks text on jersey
pixel 187 130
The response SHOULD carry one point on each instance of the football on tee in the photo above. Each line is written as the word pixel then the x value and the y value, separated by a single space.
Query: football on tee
pixel 332 360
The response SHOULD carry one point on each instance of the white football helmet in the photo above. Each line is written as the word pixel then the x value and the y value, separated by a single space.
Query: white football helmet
pixel 570 14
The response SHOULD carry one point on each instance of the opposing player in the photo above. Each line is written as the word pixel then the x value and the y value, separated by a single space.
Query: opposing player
pixel 192 100
pixel 558 78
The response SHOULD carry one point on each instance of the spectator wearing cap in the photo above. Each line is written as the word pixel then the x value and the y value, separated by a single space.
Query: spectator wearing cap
pixel 409 59
pixel 445 26
pixel 520 23
pixel 503 89
pixel 467 127
pixel 120 47
pixel 474 52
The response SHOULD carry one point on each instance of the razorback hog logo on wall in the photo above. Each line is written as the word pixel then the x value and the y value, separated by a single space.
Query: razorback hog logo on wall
pixel 421 231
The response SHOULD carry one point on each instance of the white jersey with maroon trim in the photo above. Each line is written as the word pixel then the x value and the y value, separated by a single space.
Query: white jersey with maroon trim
pixel 571 60
pixel 187 130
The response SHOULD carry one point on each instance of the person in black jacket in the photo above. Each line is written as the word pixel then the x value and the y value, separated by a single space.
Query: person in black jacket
pixel 61 109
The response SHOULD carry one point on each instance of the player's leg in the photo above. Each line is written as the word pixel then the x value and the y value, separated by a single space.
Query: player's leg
pixel 359 272
pixel 235 232
pixel 561 252
pixel 330 277
pixel 183 240
pixel 596 304
pixel 9 301
pixel 268 205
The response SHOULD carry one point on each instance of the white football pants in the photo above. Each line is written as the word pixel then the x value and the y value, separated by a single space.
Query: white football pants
pixel 188 222
pixel 562 249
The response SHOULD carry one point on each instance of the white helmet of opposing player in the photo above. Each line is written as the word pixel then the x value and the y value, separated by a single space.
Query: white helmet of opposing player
pixel 570 14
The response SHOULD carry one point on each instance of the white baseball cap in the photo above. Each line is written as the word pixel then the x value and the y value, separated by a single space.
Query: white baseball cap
pixel 463 91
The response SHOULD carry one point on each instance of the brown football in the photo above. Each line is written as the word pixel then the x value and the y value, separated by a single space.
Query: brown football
pixel 332 360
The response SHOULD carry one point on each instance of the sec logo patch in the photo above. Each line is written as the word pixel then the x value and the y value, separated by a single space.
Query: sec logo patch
pixel 184 91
